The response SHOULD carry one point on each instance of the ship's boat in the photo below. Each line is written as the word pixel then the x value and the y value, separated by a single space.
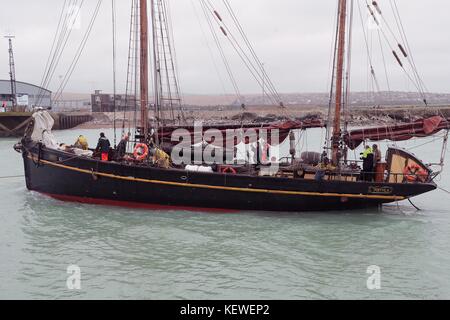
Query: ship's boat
pixel 153 177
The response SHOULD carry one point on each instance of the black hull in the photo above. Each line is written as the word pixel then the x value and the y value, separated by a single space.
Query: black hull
pixel 62 176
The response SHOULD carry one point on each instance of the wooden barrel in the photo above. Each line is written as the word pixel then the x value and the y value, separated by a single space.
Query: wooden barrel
pixel 380 168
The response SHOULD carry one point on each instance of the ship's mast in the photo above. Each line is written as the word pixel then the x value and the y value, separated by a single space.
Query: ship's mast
pixel 12 73
pixel 144 68
pixel 156 70
pixel 336 138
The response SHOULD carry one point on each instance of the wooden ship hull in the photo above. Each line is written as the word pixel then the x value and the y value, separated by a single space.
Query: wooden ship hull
pixel 60 175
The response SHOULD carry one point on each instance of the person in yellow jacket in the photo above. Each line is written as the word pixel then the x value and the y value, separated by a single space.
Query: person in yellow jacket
pixel 160 158
pixel 81 143
pixel 368 160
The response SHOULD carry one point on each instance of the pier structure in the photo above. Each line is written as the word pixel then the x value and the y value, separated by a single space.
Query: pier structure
pixel 13 124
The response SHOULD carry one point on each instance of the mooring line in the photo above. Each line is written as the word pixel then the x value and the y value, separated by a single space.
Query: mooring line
pixel 11 177
pixel 417 208
pixel 442 189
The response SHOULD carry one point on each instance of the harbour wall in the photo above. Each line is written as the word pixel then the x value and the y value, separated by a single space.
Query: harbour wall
pixel 13 124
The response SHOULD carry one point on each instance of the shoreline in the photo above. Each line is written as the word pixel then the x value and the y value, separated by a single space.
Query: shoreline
pixel 355 116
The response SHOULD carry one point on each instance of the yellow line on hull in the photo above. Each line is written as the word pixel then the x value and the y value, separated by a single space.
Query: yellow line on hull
pixel 203 186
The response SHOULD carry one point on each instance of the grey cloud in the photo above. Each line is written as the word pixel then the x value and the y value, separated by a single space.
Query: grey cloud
pixel 292 37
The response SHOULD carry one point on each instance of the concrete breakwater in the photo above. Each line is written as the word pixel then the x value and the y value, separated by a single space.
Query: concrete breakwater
pixel 354 116
pixel 68 121
pixel 13 124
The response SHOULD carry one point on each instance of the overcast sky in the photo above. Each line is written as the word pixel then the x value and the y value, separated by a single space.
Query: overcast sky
pixel 292 37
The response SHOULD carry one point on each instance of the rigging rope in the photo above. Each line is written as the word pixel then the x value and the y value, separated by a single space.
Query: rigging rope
pixel 345 109
pixel 384 64
pixel 250 47
pixel 129 83
pixel 52 48
pixel 172 48
pixel 332 86
pixel 259 78
pixel 137 67
pixel 62 43
pixel 416 83
pixel 114 65
pixel 222 83
pixel 402 32
pixel 78 53
pixel 442 189
pixel 221 51
pixel 369 56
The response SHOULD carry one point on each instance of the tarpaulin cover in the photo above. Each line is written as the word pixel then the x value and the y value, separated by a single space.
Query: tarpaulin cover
pixel 42 131
pixel 419 128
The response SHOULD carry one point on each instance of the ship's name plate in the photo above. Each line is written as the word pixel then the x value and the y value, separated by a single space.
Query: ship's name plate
pixel 380 190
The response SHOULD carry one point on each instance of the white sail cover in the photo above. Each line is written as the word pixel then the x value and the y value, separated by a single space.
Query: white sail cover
pixel 42 131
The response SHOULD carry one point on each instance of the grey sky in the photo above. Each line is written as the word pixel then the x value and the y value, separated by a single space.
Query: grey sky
pixel 292 37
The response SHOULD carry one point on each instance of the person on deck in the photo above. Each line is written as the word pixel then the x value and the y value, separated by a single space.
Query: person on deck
pixel 323 167
pixel 103 146
pixel 122 147
pixel 81 143
pixel 376 154
pixel 368 161
pixel 160 158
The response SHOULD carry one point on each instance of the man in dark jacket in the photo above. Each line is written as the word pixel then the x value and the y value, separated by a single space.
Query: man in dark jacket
pixel 121 149
pixel 103 146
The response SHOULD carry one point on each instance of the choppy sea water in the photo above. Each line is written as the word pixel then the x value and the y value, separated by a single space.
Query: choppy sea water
pixel 141 254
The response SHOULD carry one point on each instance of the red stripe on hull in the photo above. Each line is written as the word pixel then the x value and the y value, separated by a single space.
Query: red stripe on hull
pixel 134 205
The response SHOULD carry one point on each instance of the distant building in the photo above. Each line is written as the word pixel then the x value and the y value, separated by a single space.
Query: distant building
pixel 28 96
pixel 102 102
pixel 74 105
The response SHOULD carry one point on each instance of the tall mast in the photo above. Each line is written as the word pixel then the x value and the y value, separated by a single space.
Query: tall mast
pixel 339 80
pixel 144 68
pixel 156 70
pixel 12 72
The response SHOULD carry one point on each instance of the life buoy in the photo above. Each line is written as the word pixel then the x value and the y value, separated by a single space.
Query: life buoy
pixel 229 170
pixel 140 151
pixel 410 172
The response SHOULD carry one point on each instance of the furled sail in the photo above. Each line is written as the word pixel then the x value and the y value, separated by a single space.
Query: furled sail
pixel 242 131
pixel 419 128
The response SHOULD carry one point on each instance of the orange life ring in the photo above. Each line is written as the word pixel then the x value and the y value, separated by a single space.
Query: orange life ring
pixel 140 151
pixel 229 170
pixel 411 172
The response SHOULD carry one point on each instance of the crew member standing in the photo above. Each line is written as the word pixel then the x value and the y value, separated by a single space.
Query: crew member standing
pixel 103 146
pixel 367 158
pixel 121 149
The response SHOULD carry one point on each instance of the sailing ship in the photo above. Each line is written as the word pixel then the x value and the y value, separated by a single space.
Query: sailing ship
pixel 298 184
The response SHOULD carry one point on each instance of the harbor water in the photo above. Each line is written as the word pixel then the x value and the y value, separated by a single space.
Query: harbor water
pixel 141 254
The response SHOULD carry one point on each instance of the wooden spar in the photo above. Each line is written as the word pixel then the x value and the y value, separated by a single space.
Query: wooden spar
pixel 339 80
pixel 144 68
pixel 155 74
